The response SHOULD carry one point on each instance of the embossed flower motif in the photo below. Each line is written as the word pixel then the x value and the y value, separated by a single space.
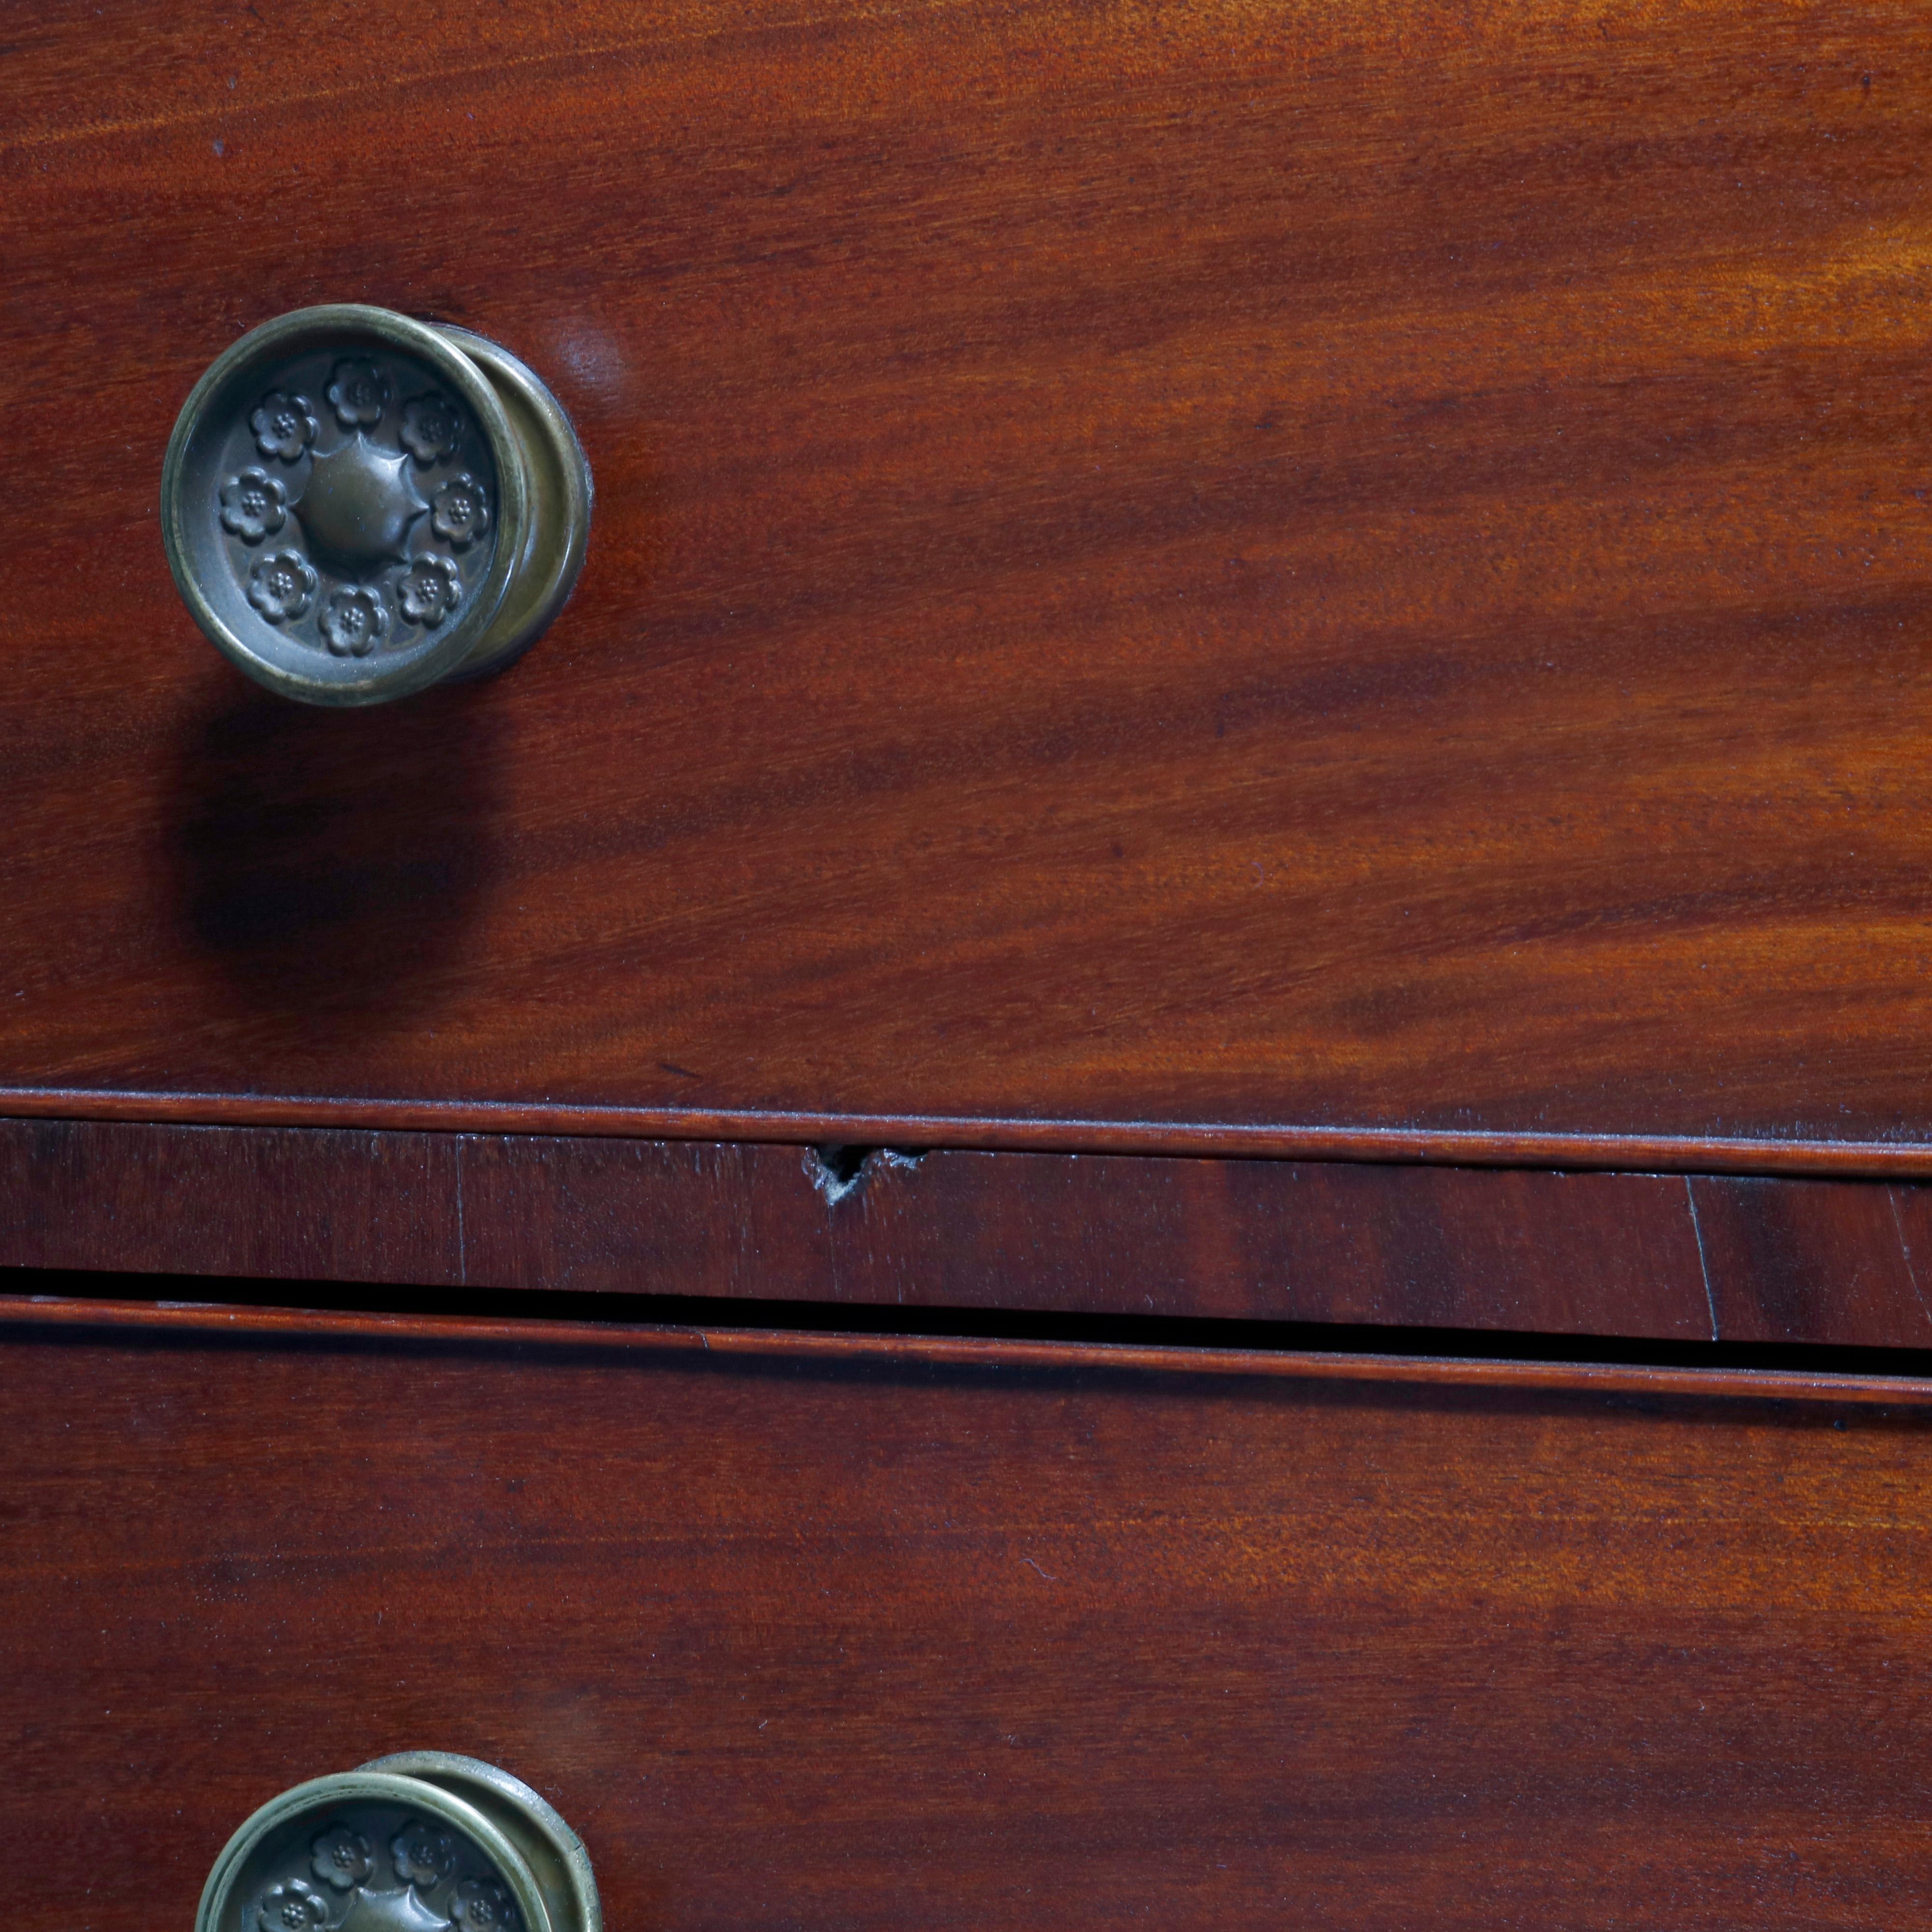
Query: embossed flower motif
pixel 429 590
pixel 481 1905
pixel 424 1855
pixel 460 512
pixel 281 586
pixel 253 505
pixel 431 429
pixel 284 426
pixel 294 1906
pixel 351 621
pixel 342 1857
pixel 359 392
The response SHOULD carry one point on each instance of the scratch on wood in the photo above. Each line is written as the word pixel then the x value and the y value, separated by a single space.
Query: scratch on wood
pixel 1905 1251
pixel 1704 1266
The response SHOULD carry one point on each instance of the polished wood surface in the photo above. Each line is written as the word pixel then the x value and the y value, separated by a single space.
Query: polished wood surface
pixel 1168 577
pixel 1622 1257
pixel 801 1634
pixel 1653 1258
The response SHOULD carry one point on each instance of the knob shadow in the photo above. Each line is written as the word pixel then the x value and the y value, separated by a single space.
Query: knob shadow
pixel 331 864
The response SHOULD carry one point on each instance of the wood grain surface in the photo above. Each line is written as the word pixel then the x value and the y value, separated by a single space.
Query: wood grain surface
pixel 1631 1257
pixel 1227 574
pixel 808 1636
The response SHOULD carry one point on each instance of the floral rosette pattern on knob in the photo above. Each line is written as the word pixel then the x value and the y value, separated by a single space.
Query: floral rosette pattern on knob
pixel 380 502
pixel 360 393
pixel 295 1905
pixel 282 585
pixel 342 1857
pixel 460 512
pixel 430 589
pixel 352 621
pixel 431 430
pixel 425 1854
pixel 284 426
pixel 253 506
pixel 432 1881
pixel 481 1905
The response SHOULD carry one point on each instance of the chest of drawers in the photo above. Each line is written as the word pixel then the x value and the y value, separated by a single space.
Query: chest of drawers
pixel 1248 693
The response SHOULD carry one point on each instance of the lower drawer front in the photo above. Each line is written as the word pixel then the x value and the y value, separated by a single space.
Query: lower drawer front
pixel 805 1634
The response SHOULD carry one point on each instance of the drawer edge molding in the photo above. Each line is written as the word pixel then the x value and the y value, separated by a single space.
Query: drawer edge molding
pixel 23 1318
pixel 1672 1153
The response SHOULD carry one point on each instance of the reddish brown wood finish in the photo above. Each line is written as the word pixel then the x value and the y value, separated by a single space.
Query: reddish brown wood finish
pixel 807 1637
pixel 290 1204
pixel 1105 1235
pixel 1347 570
pixel 1829 1262
pixel 1636 1256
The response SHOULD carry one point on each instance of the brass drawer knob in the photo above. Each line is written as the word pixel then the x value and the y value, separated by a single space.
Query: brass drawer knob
pixel 357 506
pixel 422 1842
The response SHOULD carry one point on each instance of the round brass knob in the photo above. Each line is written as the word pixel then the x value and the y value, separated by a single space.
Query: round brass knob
pixel 357 506
pixel 422 1842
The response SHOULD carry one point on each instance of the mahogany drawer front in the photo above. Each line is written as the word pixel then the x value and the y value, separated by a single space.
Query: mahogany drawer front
pixel 805 1632
pixel 1321 580
pixel 1682 1260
